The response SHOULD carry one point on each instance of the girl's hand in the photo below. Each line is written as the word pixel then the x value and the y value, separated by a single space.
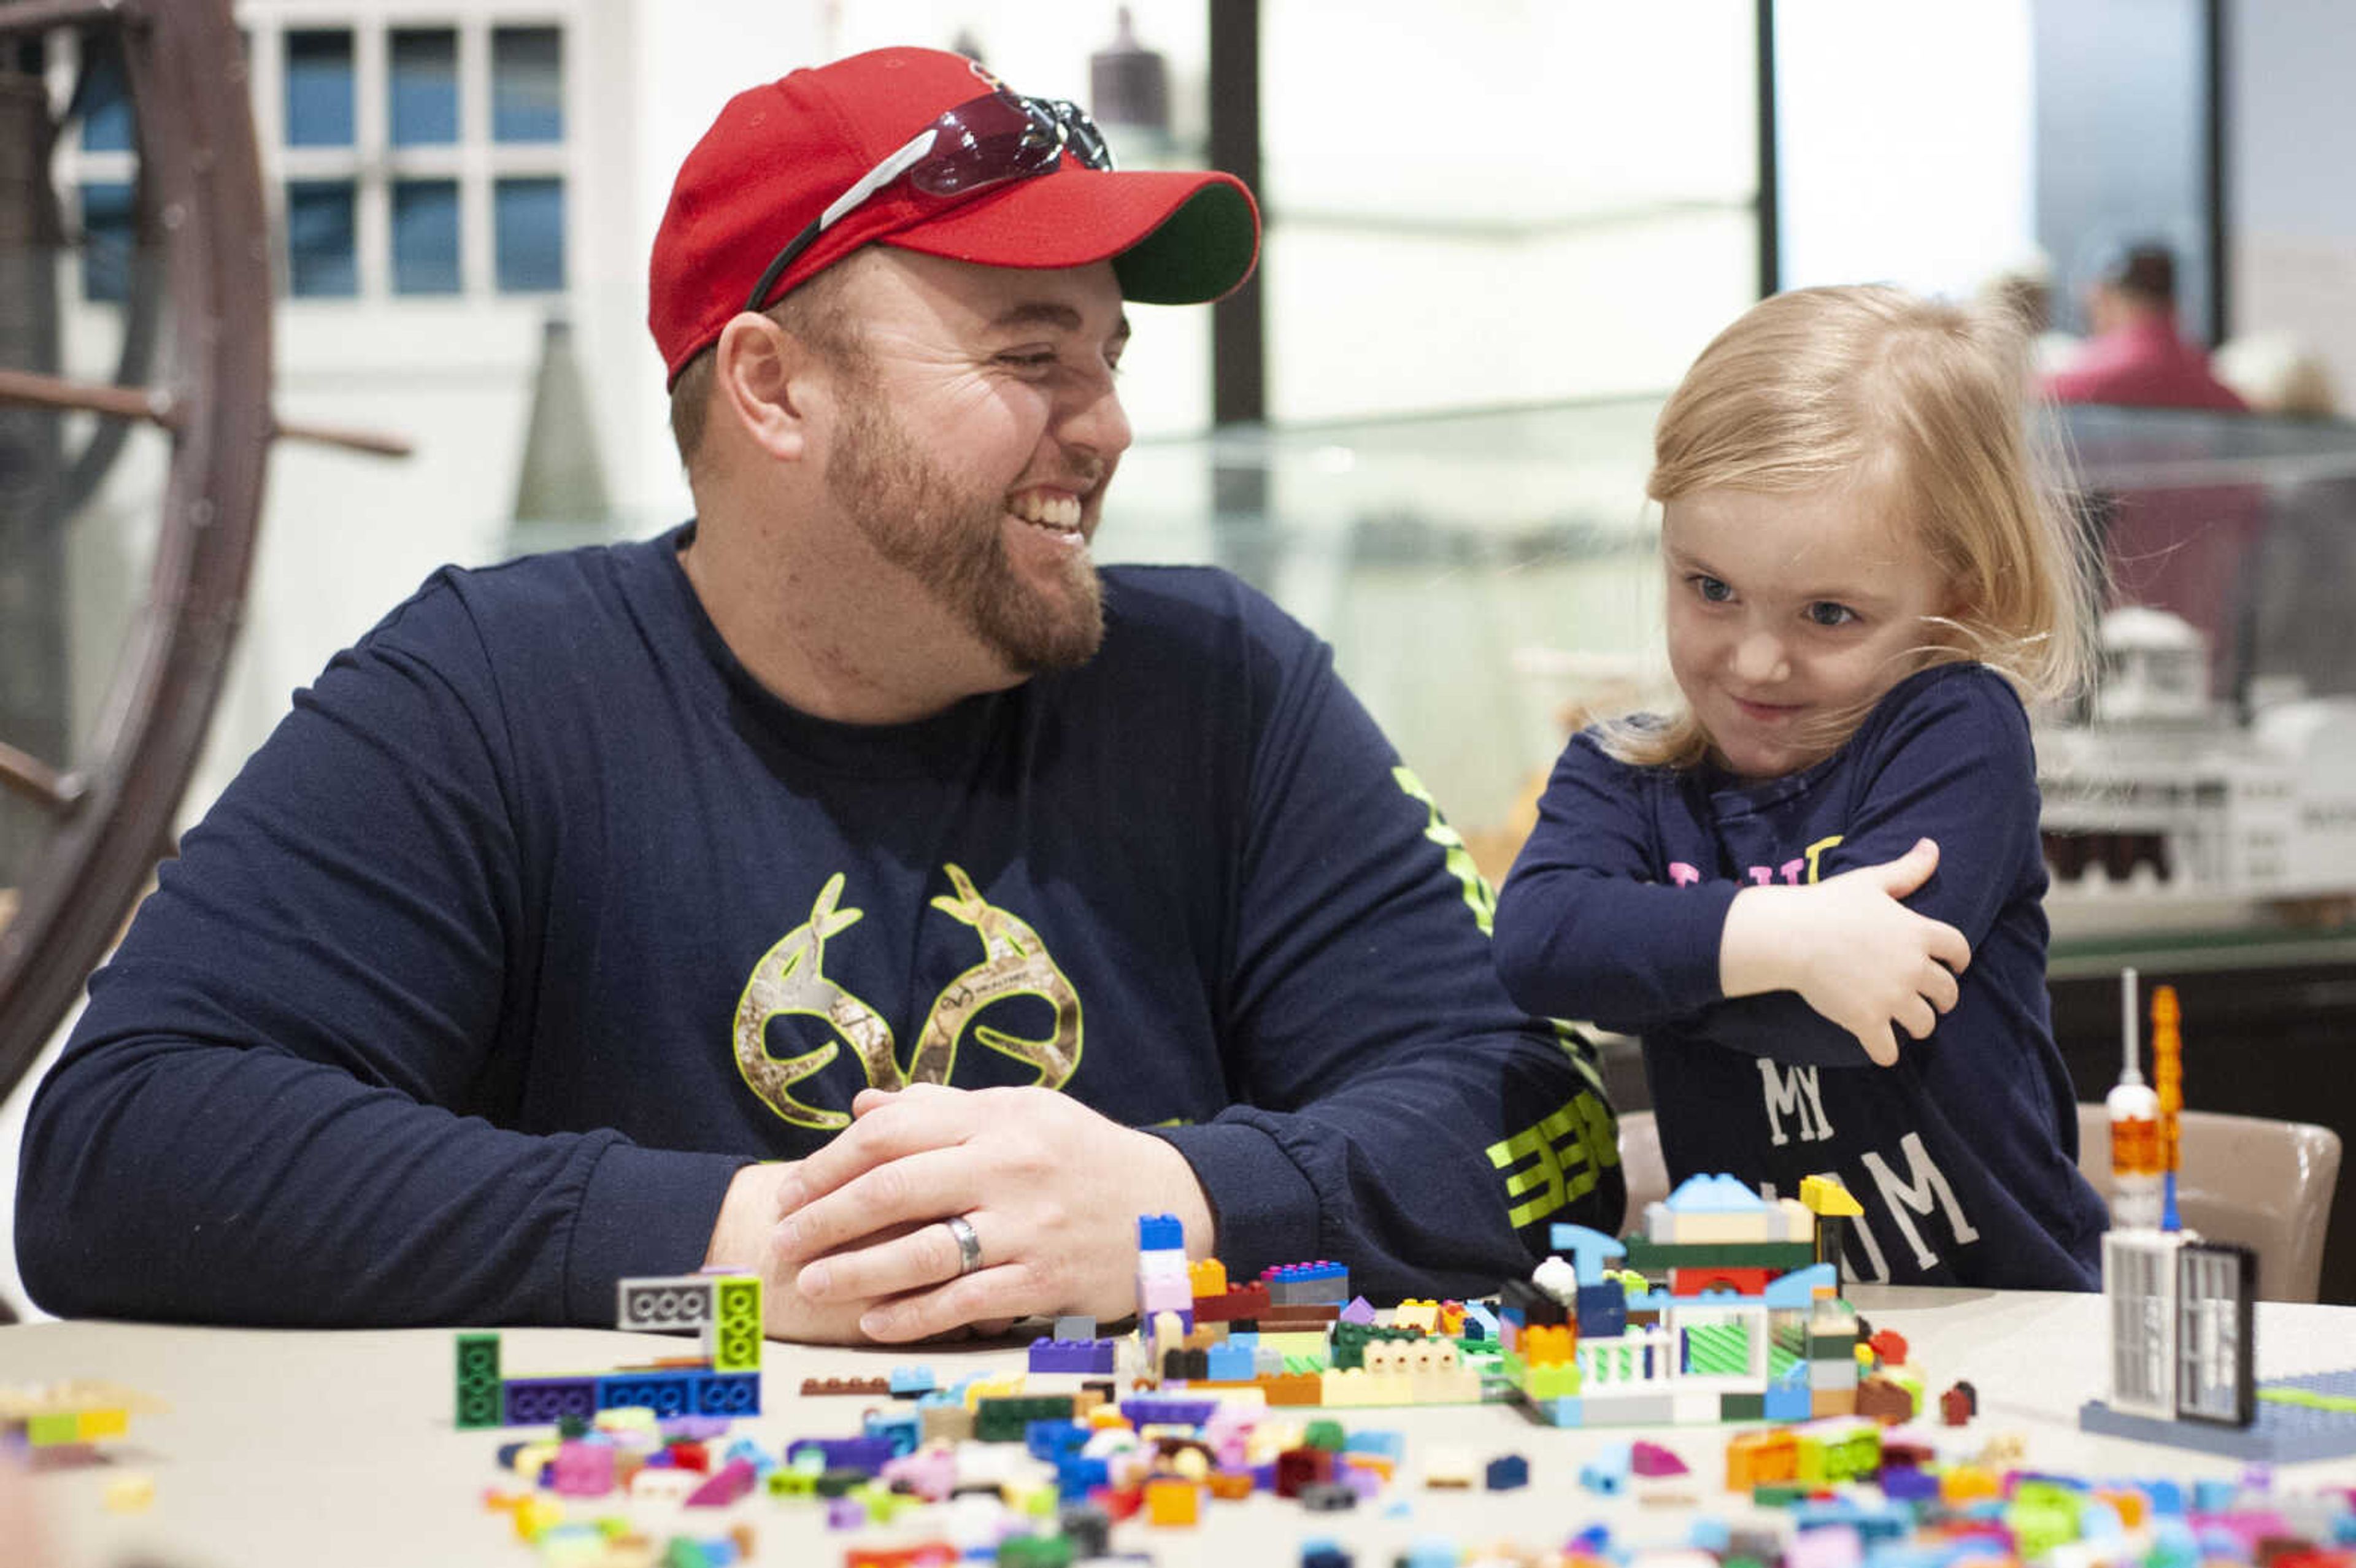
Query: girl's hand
pixel 1850 949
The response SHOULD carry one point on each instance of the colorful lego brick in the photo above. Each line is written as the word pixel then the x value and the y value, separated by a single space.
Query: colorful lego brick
pixel 1162 1293
pixel 1786 1402
pixel 1506 1472
pixel 1086 1356
pixel 1708 1278
pixel 1654 1258
pixel 1307 1283
pixel 870 1388
pixel 1882 1398
pixel 735 1334
pixel 1419 1314
pixel 1160 1234
pixel 1603 1312
pixel 1242 1303
pixel 1006 1418
pixel 908 1382
pixel 480 1399
pixel 1959 1403
pixel 666 1302
pixel 1742 1407
pixel 535 1402
pixel 899 1428
pixel 1207 1277
pixel 1171 1502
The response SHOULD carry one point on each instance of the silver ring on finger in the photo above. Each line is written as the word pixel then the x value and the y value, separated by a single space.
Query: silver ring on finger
pixel 969 1244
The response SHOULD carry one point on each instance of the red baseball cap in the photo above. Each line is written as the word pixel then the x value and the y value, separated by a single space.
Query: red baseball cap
pixel 778 156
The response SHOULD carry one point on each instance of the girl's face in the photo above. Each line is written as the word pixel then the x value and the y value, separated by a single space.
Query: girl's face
pixel 1789 616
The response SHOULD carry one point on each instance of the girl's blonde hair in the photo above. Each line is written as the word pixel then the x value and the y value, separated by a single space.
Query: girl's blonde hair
pixel 1918 408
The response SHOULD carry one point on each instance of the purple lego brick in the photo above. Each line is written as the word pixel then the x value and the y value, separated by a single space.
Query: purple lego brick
pixel 532 1402
pixel 583 1470
pixel 1148 1410
pixel 693 1428
pixel 845 1513
pixel 1360 1310
pixel 868 1454
pixel 1071 1357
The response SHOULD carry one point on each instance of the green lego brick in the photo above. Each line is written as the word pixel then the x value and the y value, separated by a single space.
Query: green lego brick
pixel 1006 1419
pixel 1831 1347
pixel 1035 1552
pixel 1717 1349
pixel 47 1431
pixel 482 1399
pixel 1654 1257
pixel 1558 1381
pixel 1777 1494
pixel 1742 1407
pixel 1351 1340
pixel 1325 1435
pixel 736 1326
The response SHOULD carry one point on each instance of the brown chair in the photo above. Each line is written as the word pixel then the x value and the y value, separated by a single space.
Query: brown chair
pixel 2262 1184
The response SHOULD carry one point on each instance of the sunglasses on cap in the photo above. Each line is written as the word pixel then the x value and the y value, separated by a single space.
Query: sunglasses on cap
pixel 980 143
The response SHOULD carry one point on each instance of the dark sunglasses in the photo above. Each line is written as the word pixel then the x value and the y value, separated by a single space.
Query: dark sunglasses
pixel 983 143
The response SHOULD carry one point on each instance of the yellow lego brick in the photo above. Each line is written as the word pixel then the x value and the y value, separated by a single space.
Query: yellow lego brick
pixel 93 1424
pixel 129 1494
pixel 1414 1314
pixel 1208 1277
pixel 1825 1402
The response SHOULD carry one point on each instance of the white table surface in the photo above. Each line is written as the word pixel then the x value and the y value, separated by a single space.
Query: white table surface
pixel 284 1448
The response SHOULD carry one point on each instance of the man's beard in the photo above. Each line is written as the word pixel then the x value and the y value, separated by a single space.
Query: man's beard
pixel 920 519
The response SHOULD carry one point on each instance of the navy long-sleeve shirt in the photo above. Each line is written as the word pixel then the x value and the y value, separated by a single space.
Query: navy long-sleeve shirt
pixel 539 917
pixel 1964 1154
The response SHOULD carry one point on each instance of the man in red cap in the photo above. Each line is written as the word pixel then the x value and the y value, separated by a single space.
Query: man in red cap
pixel 852 884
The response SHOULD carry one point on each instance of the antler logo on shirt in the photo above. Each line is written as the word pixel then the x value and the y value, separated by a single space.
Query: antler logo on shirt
pixel 791 980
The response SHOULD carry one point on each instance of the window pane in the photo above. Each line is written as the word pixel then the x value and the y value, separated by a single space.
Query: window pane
pixel 424 93
pixel 319 88
pixel 319 239
pixel 529 231
pixel 105 96
pixel 527 85
pixel 425 236
pixel 107 241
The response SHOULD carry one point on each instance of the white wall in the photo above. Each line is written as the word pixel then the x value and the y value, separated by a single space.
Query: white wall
pixel 1903 142
pixel 2290 137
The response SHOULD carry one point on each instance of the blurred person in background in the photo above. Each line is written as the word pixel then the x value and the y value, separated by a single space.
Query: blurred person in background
pixel 2137 357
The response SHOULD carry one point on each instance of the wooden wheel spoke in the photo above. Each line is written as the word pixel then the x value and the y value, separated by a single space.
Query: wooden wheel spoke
pixel 29 776
pixel 40 16
pixel 26 389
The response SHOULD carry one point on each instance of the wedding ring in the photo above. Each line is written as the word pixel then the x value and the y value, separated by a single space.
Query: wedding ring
pixel 969 1244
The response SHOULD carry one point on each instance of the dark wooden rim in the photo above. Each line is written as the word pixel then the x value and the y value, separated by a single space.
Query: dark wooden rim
pixel 186 74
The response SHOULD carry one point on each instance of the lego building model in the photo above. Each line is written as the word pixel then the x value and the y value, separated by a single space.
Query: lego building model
pixel 2181 1310
pixel 726 1379
pixel 2166 792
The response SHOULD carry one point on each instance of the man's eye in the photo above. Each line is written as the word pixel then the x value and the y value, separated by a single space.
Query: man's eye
pixel 1040 360
pixel 1712 590
pixel 1825 613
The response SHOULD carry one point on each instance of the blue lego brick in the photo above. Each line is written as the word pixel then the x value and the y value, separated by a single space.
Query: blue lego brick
pixel 1478 1315
pixel 1567 1411
pixel 664 1393
pixel 1602 1311
pixel 1506 1472
pixel 727 1393
pixel 1160 1234
pixel 534 1402
pixel 909 1381
pixel 900 1428
pixel 1052 1441
pixel 1784 1403
pixel 2283 1433
pixel 1227 1362
pixel 1383 1441
pixel 1606 1475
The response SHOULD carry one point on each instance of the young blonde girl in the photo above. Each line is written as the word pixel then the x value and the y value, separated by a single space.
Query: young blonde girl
pixel 1832 844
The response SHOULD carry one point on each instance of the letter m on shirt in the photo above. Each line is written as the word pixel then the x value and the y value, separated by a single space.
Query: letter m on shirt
pixel 1792 1093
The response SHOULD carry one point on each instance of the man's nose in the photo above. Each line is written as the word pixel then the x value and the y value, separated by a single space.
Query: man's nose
pixel 1095 419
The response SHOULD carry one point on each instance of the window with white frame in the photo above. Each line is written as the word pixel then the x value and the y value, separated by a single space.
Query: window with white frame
pixel 416 158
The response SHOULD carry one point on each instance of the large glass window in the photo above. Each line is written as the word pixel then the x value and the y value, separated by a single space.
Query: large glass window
pixel 528 219
pixel 423 100
pixel 319 87
pixel 425 236
pixel 320 251
pixel 526 84
pixel 108 237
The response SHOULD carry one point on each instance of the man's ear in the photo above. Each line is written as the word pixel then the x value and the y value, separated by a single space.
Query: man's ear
pixel 762 382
